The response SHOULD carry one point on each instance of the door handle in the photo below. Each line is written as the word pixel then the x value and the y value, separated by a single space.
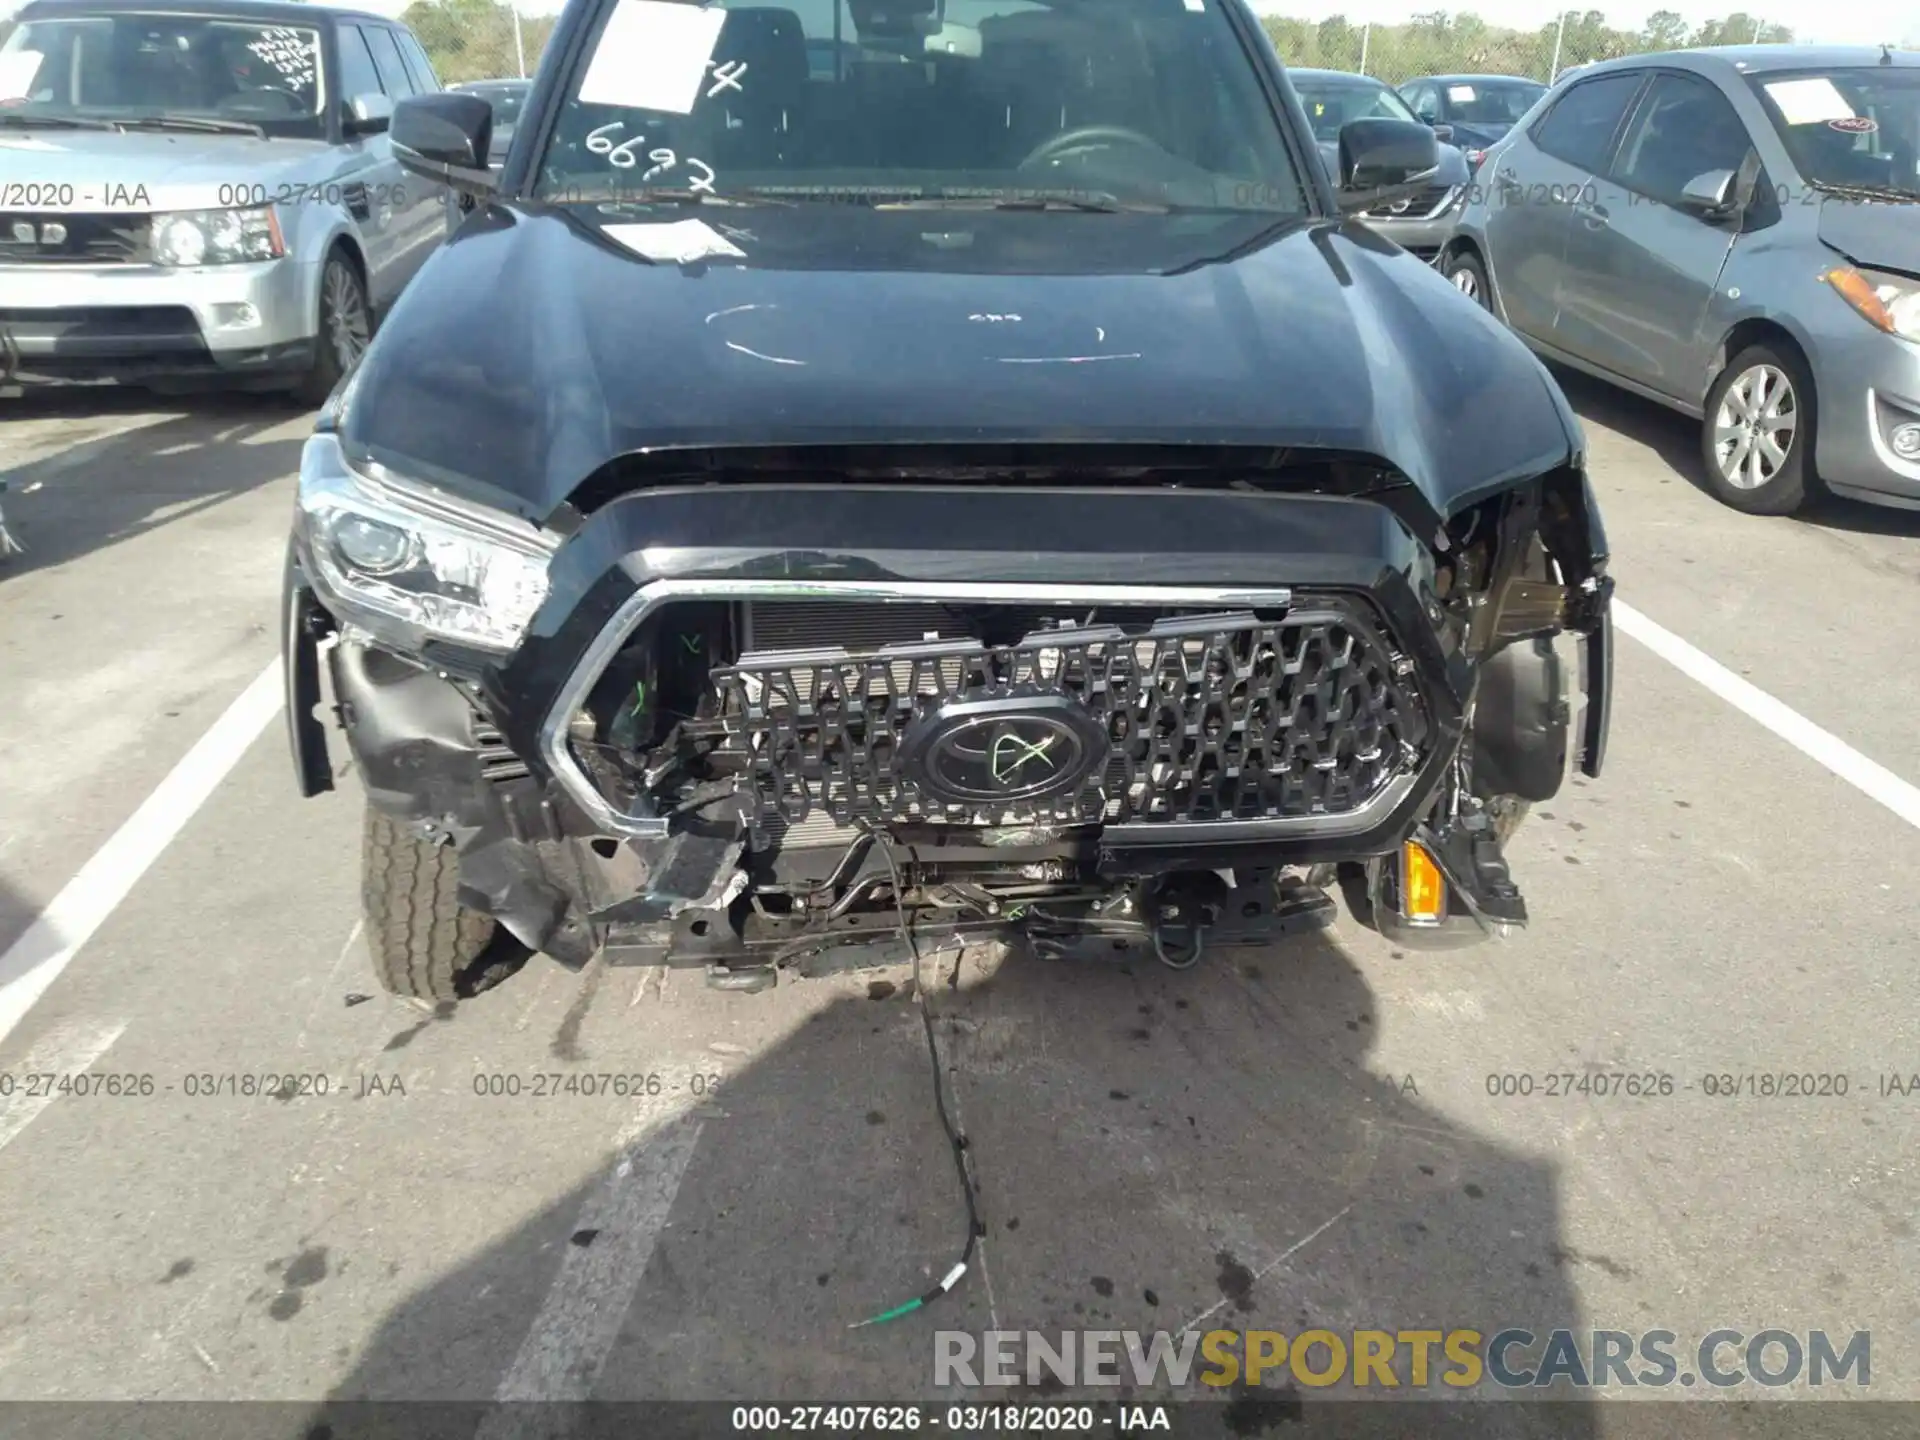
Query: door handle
pixel 1594 217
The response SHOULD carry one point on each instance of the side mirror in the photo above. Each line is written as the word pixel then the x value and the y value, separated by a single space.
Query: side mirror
pixel 1384 160
pixel 1442 133
pixel 1710 196
pixel 368 114
pixel 445 137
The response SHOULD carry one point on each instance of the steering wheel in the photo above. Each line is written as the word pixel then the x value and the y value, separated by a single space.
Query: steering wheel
pixel 1088 137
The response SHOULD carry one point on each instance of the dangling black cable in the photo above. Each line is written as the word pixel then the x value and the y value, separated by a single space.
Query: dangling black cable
pixel 955 1138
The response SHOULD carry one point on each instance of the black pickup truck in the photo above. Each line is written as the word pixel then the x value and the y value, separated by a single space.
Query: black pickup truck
pixel 982 479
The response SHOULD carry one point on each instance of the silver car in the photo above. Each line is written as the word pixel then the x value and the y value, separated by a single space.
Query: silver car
pixel 1736 234
pixel 203 191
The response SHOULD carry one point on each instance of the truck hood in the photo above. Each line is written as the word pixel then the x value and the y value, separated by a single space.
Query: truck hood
pixel 535 347
pixel 1884 236
pixel 143 170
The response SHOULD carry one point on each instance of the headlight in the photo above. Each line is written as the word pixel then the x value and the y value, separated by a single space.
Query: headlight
pixel 1891 304
pixel 217 237
pixel 412 563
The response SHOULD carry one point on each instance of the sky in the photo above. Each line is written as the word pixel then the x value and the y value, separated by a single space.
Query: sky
pixel 1857 22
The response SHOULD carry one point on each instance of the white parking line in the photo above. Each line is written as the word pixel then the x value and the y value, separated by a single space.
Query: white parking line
pixel 1869 777
pixel 63 1054
pixel 35 960
pixel 607 1253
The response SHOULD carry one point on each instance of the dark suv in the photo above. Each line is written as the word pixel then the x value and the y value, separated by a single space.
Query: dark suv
pixel 984 482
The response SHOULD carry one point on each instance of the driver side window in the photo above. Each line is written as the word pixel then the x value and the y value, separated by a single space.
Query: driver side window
pixel 386 59
pixel 357 74
pixel 1684 129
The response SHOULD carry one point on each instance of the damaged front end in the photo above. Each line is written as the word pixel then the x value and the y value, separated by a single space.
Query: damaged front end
pixel 733 709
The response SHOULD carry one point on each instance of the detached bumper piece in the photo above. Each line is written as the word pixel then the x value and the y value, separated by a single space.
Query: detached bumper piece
pixel 1445 888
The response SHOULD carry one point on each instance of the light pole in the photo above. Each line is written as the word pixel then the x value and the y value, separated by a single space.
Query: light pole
pixel 519 46
pixel 1366 37
pixel 1559 37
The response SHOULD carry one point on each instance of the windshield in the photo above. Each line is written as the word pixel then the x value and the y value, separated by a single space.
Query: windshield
pixel 1138 102
pixel 1490 102
pixel 131 66
pixel 506 100
pixel 1332 103
pixel 1856 128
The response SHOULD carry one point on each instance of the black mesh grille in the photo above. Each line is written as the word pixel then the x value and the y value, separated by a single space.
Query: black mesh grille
pixel 1209 718
pixel 34 238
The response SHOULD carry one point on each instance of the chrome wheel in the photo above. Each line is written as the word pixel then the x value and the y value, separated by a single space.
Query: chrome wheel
pixel 1754 427
pixel 1466 282
pixel 349 326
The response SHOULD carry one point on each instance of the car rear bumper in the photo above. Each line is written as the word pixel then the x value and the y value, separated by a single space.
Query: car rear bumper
pixel 69 322
pixel 1869 389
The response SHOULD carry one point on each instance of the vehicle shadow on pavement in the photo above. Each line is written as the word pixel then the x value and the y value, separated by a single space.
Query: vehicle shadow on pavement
pixel 1675 438
pixel 119 483
pixel 1154 1150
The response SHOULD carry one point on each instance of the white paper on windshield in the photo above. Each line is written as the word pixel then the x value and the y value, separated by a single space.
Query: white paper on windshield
pixel 680 242
pixel 652 56
pixel 1809 102
pixel 1460 94
pixel 16 73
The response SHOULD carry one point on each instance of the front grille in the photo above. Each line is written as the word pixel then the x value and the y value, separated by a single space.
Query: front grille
pixel 1208 718
pixel 1422 205
pixel 40 238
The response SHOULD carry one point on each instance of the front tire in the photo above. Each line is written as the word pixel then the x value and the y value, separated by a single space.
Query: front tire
pixel 1757 437
pixel 425 944
pixel 1467 275
pixel 346 327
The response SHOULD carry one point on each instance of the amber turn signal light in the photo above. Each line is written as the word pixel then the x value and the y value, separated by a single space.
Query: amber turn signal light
pixel 1423 892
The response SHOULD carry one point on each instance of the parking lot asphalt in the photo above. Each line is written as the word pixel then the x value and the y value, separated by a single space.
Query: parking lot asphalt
pixel 1288 1137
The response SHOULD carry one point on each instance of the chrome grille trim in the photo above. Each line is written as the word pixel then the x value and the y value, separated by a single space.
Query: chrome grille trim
pixel 556 750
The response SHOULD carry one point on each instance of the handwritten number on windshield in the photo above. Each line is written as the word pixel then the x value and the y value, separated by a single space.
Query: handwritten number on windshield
pixel 621 155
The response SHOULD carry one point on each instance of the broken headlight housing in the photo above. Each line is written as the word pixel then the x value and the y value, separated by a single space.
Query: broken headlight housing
pixel 412 563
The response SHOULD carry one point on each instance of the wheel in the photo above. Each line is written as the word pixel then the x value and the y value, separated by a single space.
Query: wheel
pixel 1757 438
pixel 425 944
pixel 1469 277
pixel 346 325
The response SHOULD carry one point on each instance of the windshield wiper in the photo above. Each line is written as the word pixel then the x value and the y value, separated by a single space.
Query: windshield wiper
pixel 1090 204
pixel 27 120
pixel 1850 190
pixel 194 123
pixel 661 195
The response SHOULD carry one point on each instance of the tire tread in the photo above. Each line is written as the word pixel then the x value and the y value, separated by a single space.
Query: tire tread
pixel 422 939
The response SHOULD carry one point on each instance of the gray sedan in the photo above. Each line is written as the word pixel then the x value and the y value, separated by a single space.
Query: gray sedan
pixel 1734 233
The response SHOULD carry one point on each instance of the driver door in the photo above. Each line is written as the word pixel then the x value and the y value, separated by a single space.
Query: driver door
pixel 1640 269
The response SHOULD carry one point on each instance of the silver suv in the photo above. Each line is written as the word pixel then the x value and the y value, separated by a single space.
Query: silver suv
pixel 203 193
pixel 1734 233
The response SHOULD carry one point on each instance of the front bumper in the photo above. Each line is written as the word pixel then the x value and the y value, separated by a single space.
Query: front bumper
pixel 478 752
pixel 1868 387
pixel 129 322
